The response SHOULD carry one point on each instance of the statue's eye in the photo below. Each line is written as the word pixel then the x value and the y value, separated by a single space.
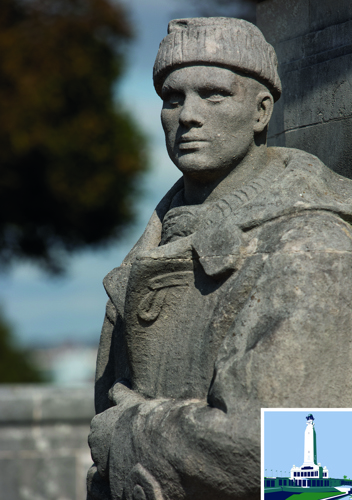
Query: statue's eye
pixel 214 95
pixel 172 98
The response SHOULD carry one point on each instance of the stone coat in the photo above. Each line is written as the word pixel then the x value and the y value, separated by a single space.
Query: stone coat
pixel 219 310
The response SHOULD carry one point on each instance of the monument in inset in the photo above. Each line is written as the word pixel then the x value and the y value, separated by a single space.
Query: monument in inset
pixel 236 297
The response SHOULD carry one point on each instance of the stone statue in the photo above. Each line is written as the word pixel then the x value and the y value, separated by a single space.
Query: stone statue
pixel 238 294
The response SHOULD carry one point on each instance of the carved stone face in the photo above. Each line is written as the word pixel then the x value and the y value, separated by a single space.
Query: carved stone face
pixel 208 117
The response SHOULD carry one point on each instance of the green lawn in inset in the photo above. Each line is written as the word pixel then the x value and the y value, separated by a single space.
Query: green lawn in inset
pixel 314 495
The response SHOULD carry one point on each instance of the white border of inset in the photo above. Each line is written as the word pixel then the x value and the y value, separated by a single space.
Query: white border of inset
pixel 262 410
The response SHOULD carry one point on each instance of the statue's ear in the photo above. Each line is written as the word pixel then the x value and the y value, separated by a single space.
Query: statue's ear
pixel 265 106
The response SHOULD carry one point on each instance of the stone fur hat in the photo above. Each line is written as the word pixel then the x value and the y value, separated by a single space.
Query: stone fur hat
pixel 222 41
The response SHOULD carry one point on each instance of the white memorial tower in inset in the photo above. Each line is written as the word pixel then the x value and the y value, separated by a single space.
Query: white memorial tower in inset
pixel 311 473
pixel 310 442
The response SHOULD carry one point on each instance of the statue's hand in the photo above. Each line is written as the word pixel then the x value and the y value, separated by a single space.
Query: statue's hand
pixel 103 424
pixel 121 394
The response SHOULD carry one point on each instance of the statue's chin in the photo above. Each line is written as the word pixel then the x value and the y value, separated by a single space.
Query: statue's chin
pixel 196 164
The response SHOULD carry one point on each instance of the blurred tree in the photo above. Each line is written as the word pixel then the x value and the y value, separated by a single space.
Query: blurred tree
pixel 244 9
pixel 69 156
pixel 15 364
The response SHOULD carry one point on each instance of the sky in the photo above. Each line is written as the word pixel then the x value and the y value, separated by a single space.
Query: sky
pixel 284 441
pixel 47 311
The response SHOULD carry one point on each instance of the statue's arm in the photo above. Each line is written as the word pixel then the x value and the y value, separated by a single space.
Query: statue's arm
pixel 192 449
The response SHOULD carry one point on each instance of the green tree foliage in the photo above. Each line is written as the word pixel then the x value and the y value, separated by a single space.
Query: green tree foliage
pixel 69 156
pixel 15 364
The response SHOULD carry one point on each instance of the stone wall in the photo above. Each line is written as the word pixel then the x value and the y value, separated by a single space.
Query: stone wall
pixel 44 453
pixel 313 41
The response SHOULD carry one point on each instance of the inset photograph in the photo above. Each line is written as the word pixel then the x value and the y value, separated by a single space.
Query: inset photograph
pixel 306 453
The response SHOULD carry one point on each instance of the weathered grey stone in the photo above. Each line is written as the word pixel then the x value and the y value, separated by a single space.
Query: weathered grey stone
pixel 292 21
pixel 316 46
pixel 319 104
pixel 326 134
pixel 313 43
pixel 327 13
pixel 238 294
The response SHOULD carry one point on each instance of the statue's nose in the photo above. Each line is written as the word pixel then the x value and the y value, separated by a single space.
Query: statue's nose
pixel 191 112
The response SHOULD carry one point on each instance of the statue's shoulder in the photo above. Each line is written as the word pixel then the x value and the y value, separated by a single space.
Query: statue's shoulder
pixel 308 177
pixel 310 165
pixel 307 206
pixel 310 232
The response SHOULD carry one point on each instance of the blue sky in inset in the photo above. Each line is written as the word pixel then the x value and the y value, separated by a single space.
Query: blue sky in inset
pixel 284 441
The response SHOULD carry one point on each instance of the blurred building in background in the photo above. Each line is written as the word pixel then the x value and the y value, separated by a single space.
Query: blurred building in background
pixel 44 453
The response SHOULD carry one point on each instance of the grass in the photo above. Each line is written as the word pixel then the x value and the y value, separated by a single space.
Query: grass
pixel 314 495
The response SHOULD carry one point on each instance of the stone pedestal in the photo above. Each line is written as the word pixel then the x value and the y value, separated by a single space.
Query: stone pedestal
pixel 44 453
pixel 313 42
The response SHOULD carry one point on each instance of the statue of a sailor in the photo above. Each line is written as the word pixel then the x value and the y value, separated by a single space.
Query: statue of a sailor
pixel 238 294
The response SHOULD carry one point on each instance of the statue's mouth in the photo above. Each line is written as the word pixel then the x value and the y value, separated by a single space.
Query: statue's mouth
pixel 195 139
pixel 186 142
